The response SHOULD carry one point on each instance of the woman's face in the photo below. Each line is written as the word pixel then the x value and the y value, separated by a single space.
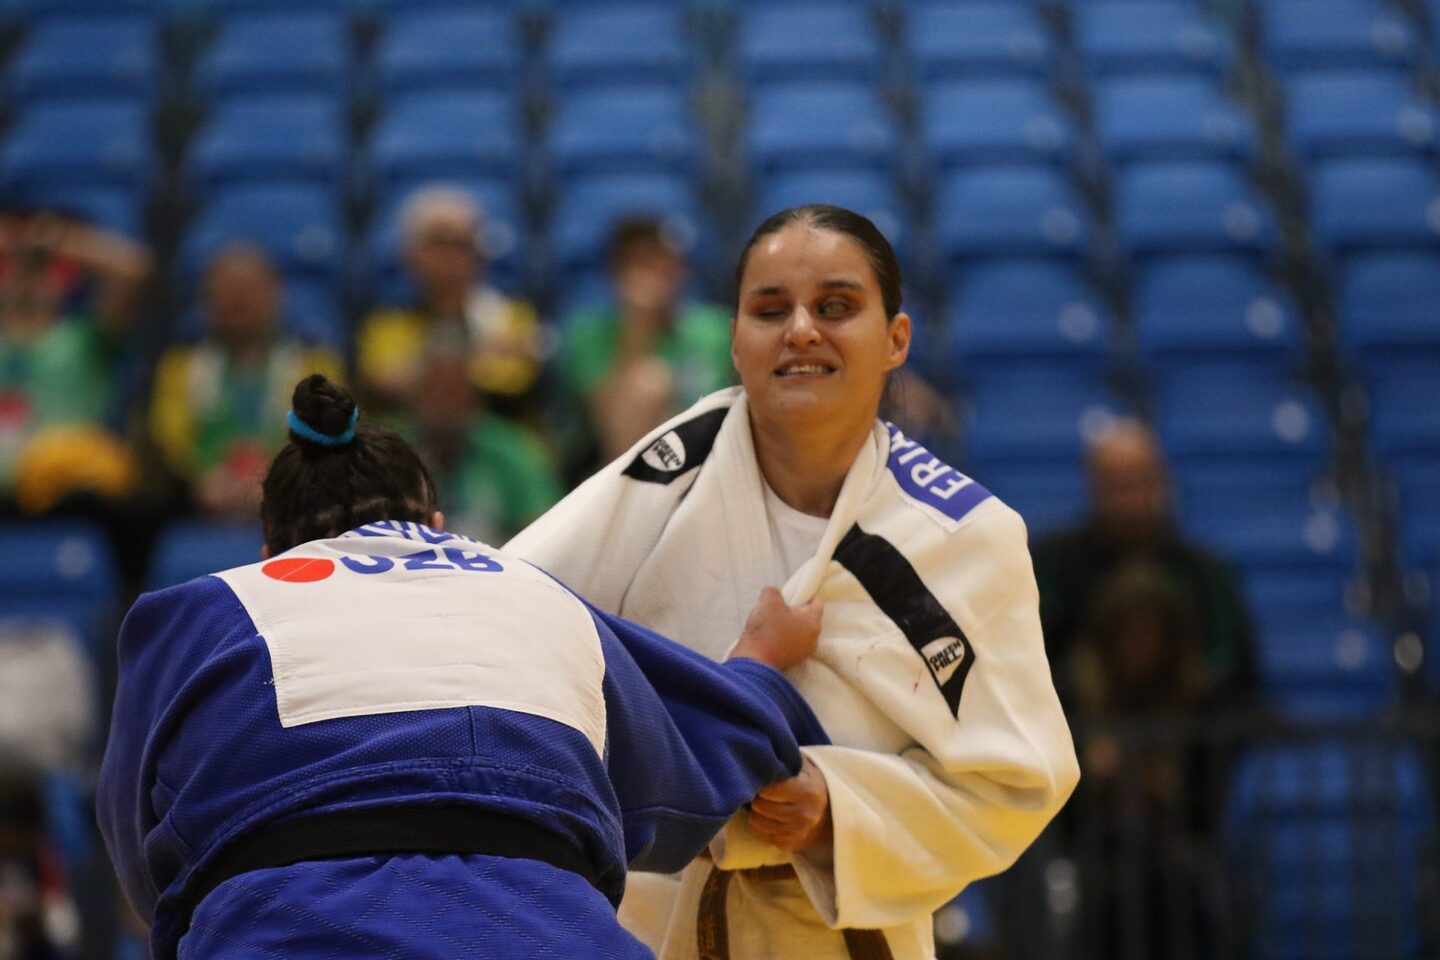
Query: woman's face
pixel 810 338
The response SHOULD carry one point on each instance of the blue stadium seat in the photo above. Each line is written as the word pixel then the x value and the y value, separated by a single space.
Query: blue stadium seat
pixel 819 126
pixel 504 236
pixel 278 53
pixel 112 208
pixel 60 571
pixel 271 137
pixel 1165 117
pixel 1149 36
pixel 1190 207
pixel 314 313
pixel 194 548
pixel 1328 842
pixel 1002 120
pixel 1334 112
pixel 1274 594
pixel 100 143
pixel 1374 202
pixel 622 130
pixel 1019 311
pixel 106 56
pixel 446 134
pixel 297 224
pixel 1201 308
pixel 1048 494
pixel 839 39
pixel 1417 481
pixel 1310 663
pixel 1037 413
pixel 994 211
pixel 618 42
pixel 1387 304
pixel 867 192
pixel 976 39
pixel 1240 410
pixel 1260 532
pixel 1404 417
pixel 588 208
pixel 1296 34
pixel 452 47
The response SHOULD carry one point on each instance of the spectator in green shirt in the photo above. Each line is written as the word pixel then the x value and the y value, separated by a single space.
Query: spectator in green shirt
pixel 494 475
pixel 650 354
pixel 68 294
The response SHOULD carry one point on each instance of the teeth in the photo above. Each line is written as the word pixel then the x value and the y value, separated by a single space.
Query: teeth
pixel 803 368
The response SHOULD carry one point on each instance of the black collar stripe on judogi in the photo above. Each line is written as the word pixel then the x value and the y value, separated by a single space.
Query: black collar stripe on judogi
pixel 903 597
pixel 680 450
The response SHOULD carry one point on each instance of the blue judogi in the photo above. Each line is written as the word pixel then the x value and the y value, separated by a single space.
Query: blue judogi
pixel 409 674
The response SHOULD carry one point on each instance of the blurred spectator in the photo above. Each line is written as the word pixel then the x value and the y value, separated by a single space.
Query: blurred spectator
pixel 648 355
pixel 444 254
pixel 1131 520
pixel 38 919
pixel 68 296
pixel 218 408
pixel 493 475
pixel 1136 667
pixel 47 697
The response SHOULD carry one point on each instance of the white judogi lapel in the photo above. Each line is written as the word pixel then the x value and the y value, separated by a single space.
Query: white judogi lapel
pixel 929 789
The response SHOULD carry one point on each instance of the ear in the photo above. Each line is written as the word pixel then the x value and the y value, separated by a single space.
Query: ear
pixel 899 334
pixel 437 522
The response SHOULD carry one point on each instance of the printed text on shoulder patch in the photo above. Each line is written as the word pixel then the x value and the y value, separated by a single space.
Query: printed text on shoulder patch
pixel 931 481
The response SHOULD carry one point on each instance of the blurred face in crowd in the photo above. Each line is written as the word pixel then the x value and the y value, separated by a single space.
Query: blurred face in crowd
pixel 1128 486
pixel 810 338
pixel 443 250
pixel 242 298
pixel 649 278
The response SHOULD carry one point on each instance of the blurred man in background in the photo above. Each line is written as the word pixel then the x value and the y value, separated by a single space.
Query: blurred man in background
pixel 1131 520
pixel 444 255
pixel 218 405
pixel 495 475
pixel 632 363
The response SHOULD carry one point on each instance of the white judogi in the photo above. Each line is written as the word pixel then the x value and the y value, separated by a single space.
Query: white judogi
pixel 950 749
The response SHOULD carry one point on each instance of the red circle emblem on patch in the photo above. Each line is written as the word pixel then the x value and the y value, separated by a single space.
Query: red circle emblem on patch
pixel 299 569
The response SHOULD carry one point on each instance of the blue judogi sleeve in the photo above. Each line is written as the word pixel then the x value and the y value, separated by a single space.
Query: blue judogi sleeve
pixel 691 740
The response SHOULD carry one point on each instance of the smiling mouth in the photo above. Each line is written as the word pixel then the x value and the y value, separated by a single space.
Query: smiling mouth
pixel 804 369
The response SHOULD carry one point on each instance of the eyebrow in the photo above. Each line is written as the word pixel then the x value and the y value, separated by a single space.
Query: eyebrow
pixel 836 284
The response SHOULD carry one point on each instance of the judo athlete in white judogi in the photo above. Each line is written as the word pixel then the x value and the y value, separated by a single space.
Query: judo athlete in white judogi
pixel 398 742
pixel 950 752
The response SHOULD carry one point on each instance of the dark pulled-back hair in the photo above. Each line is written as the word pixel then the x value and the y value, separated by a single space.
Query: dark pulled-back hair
pixel 823 216
pixel 316 490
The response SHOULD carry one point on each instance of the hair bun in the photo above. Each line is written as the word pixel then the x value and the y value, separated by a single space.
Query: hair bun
pixel 322 413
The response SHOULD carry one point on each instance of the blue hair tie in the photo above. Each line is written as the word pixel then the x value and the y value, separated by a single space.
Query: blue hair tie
pixel 306 432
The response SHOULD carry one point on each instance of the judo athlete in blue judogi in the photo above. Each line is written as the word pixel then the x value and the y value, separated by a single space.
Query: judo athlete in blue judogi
pixel 389 741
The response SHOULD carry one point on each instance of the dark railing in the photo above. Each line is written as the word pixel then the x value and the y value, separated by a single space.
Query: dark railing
pixel 1242 836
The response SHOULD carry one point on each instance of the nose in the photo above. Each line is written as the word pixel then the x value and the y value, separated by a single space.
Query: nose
pixel 802 329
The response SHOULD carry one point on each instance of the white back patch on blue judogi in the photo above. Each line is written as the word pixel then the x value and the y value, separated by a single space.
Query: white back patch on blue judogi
pixel 513 639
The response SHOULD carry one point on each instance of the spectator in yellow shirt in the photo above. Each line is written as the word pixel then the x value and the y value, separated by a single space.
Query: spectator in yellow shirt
pixel 217 413
pixel 444 255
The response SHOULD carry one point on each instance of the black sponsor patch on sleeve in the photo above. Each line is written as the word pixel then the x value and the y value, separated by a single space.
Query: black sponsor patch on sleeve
pixel 675 453
pixel 903 597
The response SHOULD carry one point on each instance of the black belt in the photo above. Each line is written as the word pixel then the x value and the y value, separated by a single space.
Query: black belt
pixel 388 830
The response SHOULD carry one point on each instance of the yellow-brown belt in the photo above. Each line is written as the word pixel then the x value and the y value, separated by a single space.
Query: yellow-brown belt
pixel 712 926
